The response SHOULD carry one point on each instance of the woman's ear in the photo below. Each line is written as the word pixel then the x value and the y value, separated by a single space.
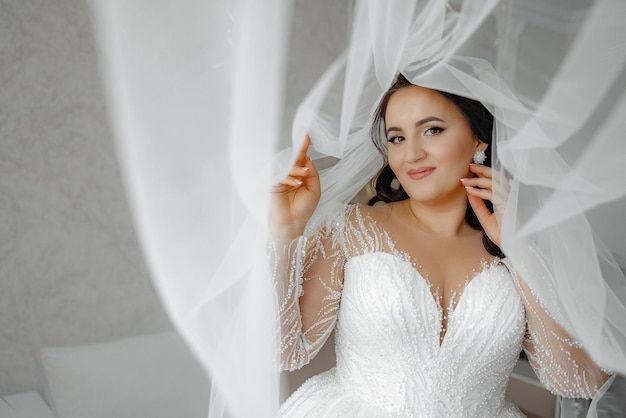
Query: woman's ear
pixel 481 146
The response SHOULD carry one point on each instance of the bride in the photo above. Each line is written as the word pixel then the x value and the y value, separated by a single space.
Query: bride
pixel 430 315
pixel 197 95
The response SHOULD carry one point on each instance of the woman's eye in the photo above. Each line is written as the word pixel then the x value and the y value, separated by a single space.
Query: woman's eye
pixel 433 130
pixel 395 139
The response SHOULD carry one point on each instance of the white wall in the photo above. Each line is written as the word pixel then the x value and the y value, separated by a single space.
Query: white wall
pixel 70 268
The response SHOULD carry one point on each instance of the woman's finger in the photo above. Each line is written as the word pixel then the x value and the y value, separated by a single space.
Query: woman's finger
pixel 287 181
pixel 481 170
pixel 483 183
pixel 484 194
pixel 486 218
pixel 297 171
pixel 479 207
pixel 292 181
pixel 301 158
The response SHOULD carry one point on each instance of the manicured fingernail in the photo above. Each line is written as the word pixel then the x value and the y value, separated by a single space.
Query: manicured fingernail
pixel 298 182
pixel 464 179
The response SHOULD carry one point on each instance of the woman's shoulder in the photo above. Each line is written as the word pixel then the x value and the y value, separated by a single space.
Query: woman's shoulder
pixel 379 213
pixel 365 220
pixel 341 218
pixel 365 229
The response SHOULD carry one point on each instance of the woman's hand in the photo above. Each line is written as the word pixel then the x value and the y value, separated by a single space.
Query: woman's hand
pixel 479 188
pixel 295 198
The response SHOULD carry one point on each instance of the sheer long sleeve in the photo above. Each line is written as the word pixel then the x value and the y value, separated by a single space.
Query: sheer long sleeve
pixel 308 274
pixel 561 363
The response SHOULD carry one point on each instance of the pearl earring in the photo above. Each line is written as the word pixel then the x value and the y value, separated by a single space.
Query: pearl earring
pixel 479 157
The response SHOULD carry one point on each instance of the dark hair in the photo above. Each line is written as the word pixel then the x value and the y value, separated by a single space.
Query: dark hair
pixel 481 123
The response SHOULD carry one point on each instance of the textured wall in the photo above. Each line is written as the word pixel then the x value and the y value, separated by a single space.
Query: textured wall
pixel 319 33
pixel 70 268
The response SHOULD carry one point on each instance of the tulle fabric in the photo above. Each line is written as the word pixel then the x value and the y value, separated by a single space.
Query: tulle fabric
pixel 195 131
pixel 195 93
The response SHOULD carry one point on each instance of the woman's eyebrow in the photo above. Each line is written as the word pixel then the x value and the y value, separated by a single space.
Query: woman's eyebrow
pixel 419 123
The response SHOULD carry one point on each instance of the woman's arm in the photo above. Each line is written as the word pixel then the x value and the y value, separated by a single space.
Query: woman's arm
pixel 561 363
pixel 307 267
pixel 308 274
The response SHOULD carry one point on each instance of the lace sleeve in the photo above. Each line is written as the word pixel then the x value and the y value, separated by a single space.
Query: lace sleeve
pixel 561 363
pixel 308 274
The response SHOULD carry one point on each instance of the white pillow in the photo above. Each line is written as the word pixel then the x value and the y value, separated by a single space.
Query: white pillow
pixel 152 376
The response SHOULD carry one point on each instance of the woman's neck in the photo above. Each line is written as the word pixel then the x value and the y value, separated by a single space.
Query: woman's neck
pixel 446 219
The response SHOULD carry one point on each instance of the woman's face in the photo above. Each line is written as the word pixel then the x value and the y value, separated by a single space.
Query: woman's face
pixel 430 144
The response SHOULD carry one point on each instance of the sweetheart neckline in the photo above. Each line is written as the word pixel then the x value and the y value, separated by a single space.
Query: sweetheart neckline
pixel 428 284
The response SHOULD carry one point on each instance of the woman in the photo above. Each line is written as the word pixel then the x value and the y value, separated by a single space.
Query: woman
pixel 430 318
pixel 551 73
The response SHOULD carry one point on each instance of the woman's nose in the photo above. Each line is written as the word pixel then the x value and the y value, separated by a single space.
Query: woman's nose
pixel 414 150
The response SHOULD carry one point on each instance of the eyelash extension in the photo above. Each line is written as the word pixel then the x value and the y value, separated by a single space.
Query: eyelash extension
pixel 437 128
pixel 391 140
pixel 401 138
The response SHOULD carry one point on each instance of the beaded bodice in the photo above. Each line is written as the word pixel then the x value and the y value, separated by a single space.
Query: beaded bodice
pixel 388 340
pixel 394 358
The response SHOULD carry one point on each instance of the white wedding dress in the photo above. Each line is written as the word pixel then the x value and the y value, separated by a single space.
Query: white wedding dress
pixel 393 360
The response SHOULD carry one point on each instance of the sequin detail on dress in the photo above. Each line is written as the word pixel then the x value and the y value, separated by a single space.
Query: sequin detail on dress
pixel 392 360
